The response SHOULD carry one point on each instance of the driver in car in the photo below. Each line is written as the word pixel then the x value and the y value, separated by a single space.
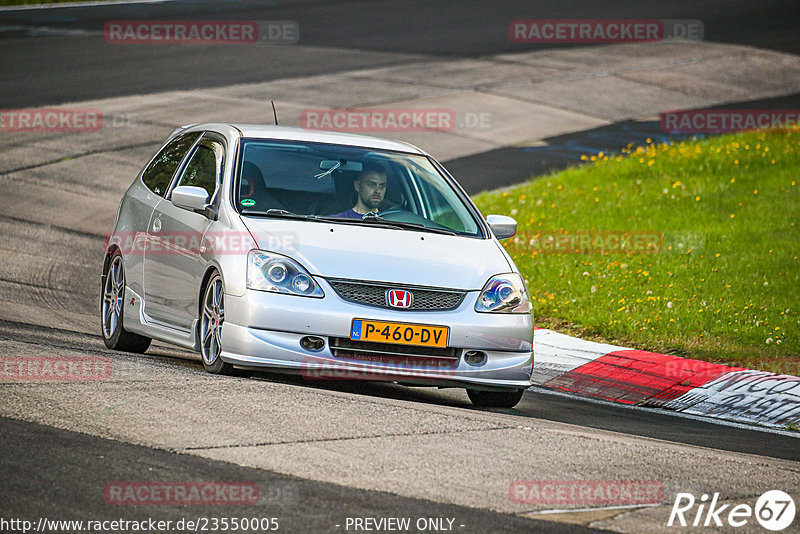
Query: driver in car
pixel 371 188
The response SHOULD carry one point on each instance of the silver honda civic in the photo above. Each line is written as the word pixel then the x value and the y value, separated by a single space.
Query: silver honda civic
pixel 332 255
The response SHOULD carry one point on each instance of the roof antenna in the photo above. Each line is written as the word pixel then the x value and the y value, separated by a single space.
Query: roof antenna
pixel 274 113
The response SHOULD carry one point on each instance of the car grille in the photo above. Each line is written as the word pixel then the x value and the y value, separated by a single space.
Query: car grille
pixel 374 294
pixel 429 357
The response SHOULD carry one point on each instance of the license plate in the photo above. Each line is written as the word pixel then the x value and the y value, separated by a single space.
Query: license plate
pixel 400 333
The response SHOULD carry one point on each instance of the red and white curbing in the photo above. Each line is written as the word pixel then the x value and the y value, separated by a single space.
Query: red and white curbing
pixel 643 378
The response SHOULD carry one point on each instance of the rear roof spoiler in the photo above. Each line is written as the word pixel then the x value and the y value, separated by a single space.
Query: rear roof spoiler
pixel 180 129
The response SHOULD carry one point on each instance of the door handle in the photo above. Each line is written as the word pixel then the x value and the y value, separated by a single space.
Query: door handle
pixel 156 225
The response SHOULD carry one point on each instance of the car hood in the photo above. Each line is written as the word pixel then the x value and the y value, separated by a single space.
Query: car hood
pixel 359 252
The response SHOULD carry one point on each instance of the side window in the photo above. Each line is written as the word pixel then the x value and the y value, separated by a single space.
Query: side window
pixel 204 167
pixel 159 173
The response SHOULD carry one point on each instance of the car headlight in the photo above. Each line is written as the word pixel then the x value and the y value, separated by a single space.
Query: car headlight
pixel 504 293
pixel 267 271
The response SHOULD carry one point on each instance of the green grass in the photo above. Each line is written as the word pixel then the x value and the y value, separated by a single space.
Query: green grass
pixel 724 285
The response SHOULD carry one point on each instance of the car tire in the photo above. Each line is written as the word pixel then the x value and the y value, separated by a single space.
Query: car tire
pixel 212 315
pixel 112 296
pixel 495 399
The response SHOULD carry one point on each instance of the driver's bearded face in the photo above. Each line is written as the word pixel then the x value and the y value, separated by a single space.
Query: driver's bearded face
pixel 371 189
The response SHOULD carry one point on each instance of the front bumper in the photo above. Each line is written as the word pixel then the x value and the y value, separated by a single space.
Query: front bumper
pixel 264 329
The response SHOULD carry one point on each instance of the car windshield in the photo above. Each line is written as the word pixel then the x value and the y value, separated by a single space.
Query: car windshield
pixel 349 185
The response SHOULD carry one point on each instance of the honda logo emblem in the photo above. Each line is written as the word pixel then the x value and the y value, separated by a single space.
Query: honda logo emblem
pixel 398 298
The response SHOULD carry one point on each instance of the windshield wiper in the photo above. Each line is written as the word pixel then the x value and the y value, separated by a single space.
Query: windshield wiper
pixel 367 221
pixel 409 225
pixel 369 218
pixel 278 213
pixel 419 226
pixel 372 218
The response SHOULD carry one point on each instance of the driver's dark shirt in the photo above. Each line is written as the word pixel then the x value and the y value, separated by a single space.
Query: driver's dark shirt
pixel 349 214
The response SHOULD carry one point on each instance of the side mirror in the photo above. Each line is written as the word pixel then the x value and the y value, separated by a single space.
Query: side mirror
pixel 502 226
pixel 191 198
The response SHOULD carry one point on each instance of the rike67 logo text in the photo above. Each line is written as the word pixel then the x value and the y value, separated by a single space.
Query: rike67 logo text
pixel 774 510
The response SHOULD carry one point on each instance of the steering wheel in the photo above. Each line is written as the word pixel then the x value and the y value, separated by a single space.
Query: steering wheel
pixel 398 213
pixel 391 211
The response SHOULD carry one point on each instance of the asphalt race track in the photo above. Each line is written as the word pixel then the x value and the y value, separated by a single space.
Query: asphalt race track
pixel 319 452
pixel 345 34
